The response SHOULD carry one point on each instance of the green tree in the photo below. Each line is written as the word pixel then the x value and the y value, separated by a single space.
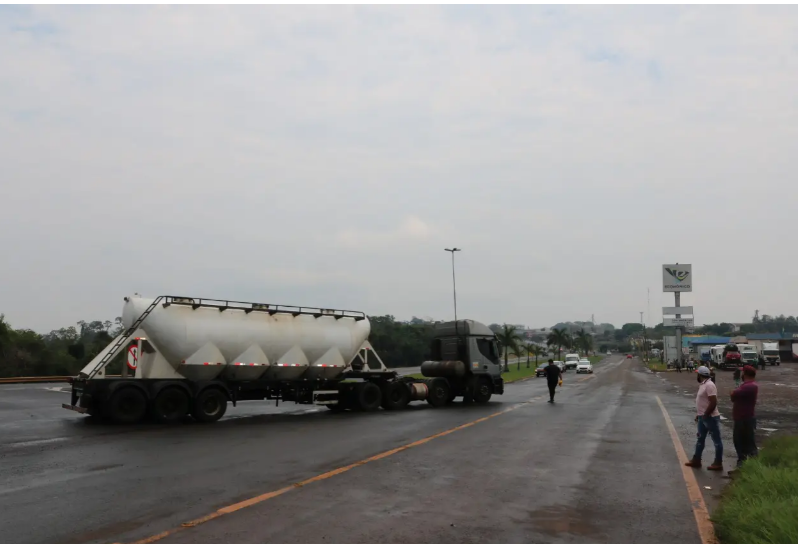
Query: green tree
pixel 508 337
pixel 537 351
pixel 583 341
pixel 558 339
pixel 518 350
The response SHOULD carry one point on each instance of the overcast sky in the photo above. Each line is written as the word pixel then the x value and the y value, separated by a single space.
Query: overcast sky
pixel 327 156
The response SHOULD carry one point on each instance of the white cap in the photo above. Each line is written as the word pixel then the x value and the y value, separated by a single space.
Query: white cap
pixel 703 371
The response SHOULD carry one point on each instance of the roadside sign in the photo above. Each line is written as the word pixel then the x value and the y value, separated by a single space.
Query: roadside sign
pixel 677 278
pixel 674 310
pixel 680 322
pixel 132 357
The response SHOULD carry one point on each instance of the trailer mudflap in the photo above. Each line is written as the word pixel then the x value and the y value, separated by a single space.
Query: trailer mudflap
pixel 75 408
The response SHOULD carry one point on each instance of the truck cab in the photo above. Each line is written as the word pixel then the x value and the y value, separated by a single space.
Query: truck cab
pixel 770 353
pixel 748 354
pixel 466 354
pixel 571 360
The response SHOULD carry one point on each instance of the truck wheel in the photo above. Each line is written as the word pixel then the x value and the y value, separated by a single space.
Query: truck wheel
pixel 439 391
pixel 395 396
pixel 127 405
pixel 482 391
pixel 209 406
pixel 170 405
pixel 369 396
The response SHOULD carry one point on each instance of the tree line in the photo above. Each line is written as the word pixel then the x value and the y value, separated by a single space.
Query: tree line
pixel 65 351
pixel 61 352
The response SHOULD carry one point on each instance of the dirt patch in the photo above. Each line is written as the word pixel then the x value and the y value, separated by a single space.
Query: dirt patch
pixel 777 404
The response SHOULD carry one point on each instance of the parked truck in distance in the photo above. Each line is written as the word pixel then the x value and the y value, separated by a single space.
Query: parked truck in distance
pixel 748 354
pixel 770 353
pixel 182 356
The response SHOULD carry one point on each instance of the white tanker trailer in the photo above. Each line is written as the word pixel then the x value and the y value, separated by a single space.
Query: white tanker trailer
pixel 182 355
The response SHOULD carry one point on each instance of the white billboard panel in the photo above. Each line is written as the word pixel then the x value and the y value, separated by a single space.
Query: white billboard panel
pixel 677 310
pixel 677 278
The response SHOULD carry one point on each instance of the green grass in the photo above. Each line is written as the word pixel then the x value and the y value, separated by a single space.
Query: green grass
pixel 761 505
pixel 657 365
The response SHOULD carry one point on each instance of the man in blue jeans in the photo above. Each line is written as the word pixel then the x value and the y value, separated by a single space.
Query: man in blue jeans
pixel 708 420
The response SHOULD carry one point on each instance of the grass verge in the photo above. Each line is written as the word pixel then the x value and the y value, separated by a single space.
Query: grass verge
pixel 761 505
pixel 657 366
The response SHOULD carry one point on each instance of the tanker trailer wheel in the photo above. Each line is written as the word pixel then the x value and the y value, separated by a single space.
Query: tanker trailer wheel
pixel 439 392
pixel 170 405
pixel 395 396
pixel 127 405
pixel 368 396
pixel 209 406
pixel 482 391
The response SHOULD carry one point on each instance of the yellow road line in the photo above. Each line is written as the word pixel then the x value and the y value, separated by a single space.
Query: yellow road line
pixel 272 494
pixel 705 528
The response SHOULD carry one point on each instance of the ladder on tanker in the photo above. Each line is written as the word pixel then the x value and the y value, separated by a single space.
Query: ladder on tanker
pixel 121 341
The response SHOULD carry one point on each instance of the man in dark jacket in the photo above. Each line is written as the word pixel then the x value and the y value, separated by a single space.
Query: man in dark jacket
pixel 743 403
pixel 553 377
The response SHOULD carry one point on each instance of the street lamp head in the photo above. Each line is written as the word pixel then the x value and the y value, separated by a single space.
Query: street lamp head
pixel 453 249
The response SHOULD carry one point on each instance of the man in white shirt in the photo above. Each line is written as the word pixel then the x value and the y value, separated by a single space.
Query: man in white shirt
pixel 708 420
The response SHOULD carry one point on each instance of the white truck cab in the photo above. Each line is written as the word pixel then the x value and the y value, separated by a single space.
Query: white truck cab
pixel 571 360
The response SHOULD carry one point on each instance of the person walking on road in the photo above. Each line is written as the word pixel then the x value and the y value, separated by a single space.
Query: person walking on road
pixel 707 420
pixel 743 403
pixel 553 378
pixel 737 373
pixel 678 366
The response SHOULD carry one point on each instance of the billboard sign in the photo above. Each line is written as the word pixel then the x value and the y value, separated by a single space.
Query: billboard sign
pixel 677 310
pixel 677 278
pixel 680 322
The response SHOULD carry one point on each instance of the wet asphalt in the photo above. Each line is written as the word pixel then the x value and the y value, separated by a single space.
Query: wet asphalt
pixel 598 466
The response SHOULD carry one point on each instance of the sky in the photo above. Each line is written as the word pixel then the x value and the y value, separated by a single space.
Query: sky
pixel 326 156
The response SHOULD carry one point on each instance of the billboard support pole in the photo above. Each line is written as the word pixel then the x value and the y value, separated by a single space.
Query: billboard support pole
pixel 677 298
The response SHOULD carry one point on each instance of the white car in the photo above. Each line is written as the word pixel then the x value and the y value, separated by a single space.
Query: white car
pixel 584 366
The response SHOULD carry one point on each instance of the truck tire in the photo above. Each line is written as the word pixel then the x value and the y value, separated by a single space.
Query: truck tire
pixel 170 405
pixel 368 396
pixel 439 391
pixel 482 391
pixel 127 405
pixel 209 406
pixel 395 396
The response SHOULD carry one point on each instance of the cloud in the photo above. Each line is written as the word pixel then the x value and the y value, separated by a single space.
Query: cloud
pixel 411 231
pixel 569 150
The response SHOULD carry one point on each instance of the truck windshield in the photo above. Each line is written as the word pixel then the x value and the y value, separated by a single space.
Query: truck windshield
pixel 771 352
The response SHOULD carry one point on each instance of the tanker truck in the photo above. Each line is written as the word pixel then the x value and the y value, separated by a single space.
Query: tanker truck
pixel 185 356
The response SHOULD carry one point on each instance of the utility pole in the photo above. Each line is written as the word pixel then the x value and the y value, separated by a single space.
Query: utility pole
pixel 454 282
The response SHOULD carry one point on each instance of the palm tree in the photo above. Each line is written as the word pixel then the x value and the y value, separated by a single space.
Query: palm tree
pixel 518 351
pixel 530 350
pixel 583 341
pixel 508 337
pixel 558 338
pixel 537 351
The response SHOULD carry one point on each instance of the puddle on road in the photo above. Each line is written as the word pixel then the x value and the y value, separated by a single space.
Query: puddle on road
pixel 558 519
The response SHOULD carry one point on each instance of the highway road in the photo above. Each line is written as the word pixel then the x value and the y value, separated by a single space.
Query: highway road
pixel 599 466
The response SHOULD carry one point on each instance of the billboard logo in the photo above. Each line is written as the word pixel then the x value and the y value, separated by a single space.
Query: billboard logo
pixel 678 275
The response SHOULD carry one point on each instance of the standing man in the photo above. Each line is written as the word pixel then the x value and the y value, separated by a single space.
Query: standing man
pixel 743 402
pixel 707 420
pixel 553 377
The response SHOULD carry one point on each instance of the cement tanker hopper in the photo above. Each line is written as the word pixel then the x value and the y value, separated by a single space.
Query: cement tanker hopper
pixel 181 356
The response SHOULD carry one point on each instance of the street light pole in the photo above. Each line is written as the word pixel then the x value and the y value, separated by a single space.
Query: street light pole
pixel 454 282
